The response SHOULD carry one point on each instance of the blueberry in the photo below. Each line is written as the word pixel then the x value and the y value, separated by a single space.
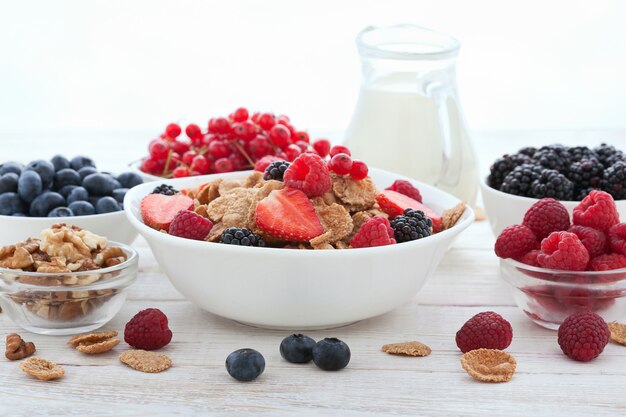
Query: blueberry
pixel 60 162
pixel 14 167
pixel 245 364
pixel 100 184
pixel 61 212
pixel 79 162
pixel 45 169
pixel 82 208
pixel 66 190
pixel 107 205
pixel 119 193
pixel 41 206
pixel 129 179
pixel 331 354
pixel 8 182
pixel 297 348
pixel 78 194
pixel 10 204
pixel 65 177
pixel 29 186
pixel 83 172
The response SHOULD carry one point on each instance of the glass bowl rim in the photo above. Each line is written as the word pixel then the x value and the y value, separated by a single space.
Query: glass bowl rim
pixel 520 265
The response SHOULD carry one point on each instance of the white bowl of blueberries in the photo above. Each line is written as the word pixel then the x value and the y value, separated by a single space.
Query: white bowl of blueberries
pixel 36 195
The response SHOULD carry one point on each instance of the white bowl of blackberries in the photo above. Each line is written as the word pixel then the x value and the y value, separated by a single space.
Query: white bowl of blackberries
pixel 568 174
pixel 36 195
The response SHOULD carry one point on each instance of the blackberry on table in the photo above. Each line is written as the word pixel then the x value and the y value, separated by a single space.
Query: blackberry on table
pixel 412 225
pixel 518 181
pixel 614 180
pixel 552 183
pixel 241 237
pixel 165 190
pixel 586 173
pixel 503 166
pixel 276 170
pixel 553 157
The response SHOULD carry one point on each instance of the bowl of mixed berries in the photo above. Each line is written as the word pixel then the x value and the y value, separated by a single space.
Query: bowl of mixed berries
pixel 568 174
pixel 313 243
pixel 227 144
pixel 558 265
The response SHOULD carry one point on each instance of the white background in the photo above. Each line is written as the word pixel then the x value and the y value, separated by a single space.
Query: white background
pixel 137 65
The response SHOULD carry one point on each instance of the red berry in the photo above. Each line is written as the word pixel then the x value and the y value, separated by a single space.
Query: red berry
pixel 341 164
pixel 304 146
pixel 308 173
pixel 594 240
pixel 546 216
pixel 158 149
pixel 486 330
pixel 617 238
pixel 280 136
pixel 515 241
pixel 240 115
pixel 172 130
pixel 376 231
pixel 393 203
pixel 219 149
pixel 266 121
pixel 406 188
pixel 255 117
pixel 597 210
pixel 200 164
pixel 583 336
pixel 337 149
pixel 607 262
pixel 564 251
pixel 209 137
pixel 148 330
pixel 149 166
pixel 223 165
pixel 219 125
pixel 193 132
pixel 238 161
pixel 283 119
pixel 179 147
pixel 359 170
pixel 265 161
pixel 188 157
pixel 244 130
pixel 292 151
pixel 158 210
pixel 322 147
pixel 530 258
pixel 190 225
pixel 259 147
pixel 181 172
pixel 301 135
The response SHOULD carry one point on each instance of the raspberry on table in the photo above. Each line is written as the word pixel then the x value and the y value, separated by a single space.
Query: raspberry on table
pixel 374 232
pixel 309 173
pixel 607 262
pixel 546 216
pixel 564 251
pixel 487 330
pixel 617 238
pixel 583 336
pixel 593 239
pixel 148 330
pixel 597 210
pixel 515 241
pixel 190 225
pixel 406 188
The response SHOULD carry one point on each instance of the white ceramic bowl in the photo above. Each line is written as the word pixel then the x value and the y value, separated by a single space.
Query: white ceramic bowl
pixel 135 167
pixel 504 209
pixel 115 226
pixel 297 289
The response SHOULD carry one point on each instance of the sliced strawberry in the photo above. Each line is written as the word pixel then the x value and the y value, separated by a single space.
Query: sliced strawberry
pixel 158 210
pixel 393 203
pixel 288 214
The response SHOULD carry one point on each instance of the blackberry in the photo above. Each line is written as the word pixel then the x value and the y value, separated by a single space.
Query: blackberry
pixel 413 225
pixel 552 184
pixel 614 181
pixel 241 237
pixel 608 155
pixel 553 157
pixel 165 190
pixel 580 194
pixel 528 151
pixel 586 173
pixel 503 166
pixel 578 153
pixel 518 182
pixel 276 170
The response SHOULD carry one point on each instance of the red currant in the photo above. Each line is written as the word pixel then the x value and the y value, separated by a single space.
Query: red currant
pixel 282 119
pixel 292 151
pixel 188 157
pixel 302 135
pixel 193 131
pixel 267 121
pixel 282 156
pixel 255 117
pixel 304 146
pixel 219 149
pixel 158 149
pixel 200 164
pixel 259 147
pixel 341 164
pixel 180 172
pixel 172 130
pixel 339 149
pixel 179 147
pixel 219 125
pixel 244 130
pixel 238 160
pixel 359 170
pixel 149 166
pixel 280 135
pixel 223 165
pixel 240 115
pixel 208 138
pixel 322 147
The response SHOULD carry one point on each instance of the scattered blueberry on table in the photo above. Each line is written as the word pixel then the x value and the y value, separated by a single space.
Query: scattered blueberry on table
pixel 61 188
pixel 245 364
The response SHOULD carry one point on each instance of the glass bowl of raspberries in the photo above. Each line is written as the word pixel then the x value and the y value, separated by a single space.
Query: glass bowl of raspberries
pixel 568 174
pixel 558 265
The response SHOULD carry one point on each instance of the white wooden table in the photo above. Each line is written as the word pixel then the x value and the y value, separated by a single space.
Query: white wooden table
pixel 466 282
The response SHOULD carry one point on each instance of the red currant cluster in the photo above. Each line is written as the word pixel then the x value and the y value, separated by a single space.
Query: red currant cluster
pixel 341 163
pixel 235 143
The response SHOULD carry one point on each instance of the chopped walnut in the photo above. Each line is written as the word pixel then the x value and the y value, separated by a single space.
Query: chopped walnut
pixel 110 256
pixel 56 265
pixel 16 258
pixel 70 244
pixel 17 349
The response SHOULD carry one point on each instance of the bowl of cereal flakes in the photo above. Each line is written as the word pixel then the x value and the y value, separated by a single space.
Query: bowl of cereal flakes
pixel 296 245
pixel 66 281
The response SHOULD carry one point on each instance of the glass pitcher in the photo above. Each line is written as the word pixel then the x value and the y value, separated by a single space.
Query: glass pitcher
pixel 408 118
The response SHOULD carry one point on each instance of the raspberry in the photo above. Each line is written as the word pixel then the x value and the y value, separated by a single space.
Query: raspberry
pixel 594 240
pixel 583 336
pixel 530 258
pixel 515 241
pixel 546 216
pixel 406 188
pixel 617 238
pixel 564 251
pixel 607 262
pixel 262 164
pixel 148 330
pixel 597 210
pixel 486 330
pixel 309 173
pixel 374 232
pixel 190 225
